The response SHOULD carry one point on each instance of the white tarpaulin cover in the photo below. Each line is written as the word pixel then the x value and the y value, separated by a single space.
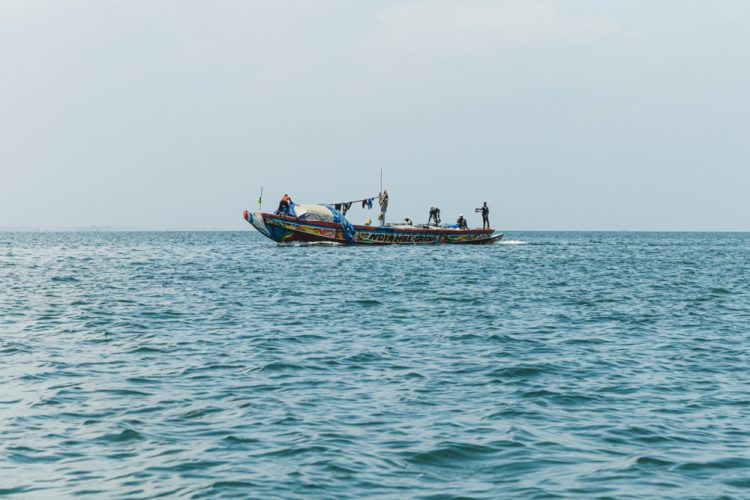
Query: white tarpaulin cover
pixel 313 213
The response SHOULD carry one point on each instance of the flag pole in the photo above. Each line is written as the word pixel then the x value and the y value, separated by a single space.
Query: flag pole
pixel 260 198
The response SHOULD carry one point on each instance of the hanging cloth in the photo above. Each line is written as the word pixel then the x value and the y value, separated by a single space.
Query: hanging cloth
pixel 346 227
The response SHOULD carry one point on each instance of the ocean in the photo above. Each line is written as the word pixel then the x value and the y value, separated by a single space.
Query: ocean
pixel 219 364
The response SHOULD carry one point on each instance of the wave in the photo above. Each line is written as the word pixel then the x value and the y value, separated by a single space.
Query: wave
pixel 122 437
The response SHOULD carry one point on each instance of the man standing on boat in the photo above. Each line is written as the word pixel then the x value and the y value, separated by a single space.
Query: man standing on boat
pixel 485 215
pixel 383 200
pixel 434 215
pixel 284 205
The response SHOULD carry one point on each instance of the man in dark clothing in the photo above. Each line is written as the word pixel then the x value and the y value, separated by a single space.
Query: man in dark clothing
pixel 434 215
pixel 485 215
pixel 462 223
pixel 284 205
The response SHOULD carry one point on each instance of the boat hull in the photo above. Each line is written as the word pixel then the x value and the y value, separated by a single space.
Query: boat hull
pixel 282 229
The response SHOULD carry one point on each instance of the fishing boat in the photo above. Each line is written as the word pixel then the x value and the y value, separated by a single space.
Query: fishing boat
pixel 326 224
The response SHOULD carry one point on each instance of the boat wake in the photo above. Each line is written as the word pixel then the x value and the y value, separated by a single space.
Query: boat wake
pixel 311 244
pixel 512 242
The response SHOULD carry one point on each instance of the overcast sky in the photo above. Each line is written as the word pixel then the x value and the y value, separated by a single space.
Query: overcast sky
pixel 621 115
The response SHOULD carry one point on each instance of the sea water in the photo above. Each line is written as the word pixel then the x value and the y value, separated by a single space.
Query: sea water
pixel 221 364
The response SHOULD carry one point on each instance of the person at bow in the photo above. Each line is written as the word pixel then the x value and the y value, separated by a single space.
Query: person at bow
pixel 284 205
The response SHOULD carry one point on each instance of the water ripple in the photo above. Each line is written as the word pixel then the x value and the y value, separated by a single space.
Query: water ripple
pixel 219 365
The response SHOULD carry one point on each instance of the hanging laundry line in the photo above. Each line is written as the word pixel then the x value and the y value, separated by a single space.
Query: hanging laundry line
pixel 344 206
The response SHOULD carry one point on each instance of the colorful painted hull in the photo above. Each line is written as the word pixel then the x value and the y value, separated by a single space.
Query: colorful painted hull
pixel 292 230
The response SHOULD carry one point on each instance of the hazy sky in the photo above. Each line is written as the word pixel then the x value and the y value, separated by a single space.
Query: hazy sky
pixel 562 115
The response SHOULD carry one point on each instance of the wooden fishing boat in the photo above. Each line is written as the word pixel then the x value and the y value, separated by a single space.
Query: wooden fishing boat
pixel 322 223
